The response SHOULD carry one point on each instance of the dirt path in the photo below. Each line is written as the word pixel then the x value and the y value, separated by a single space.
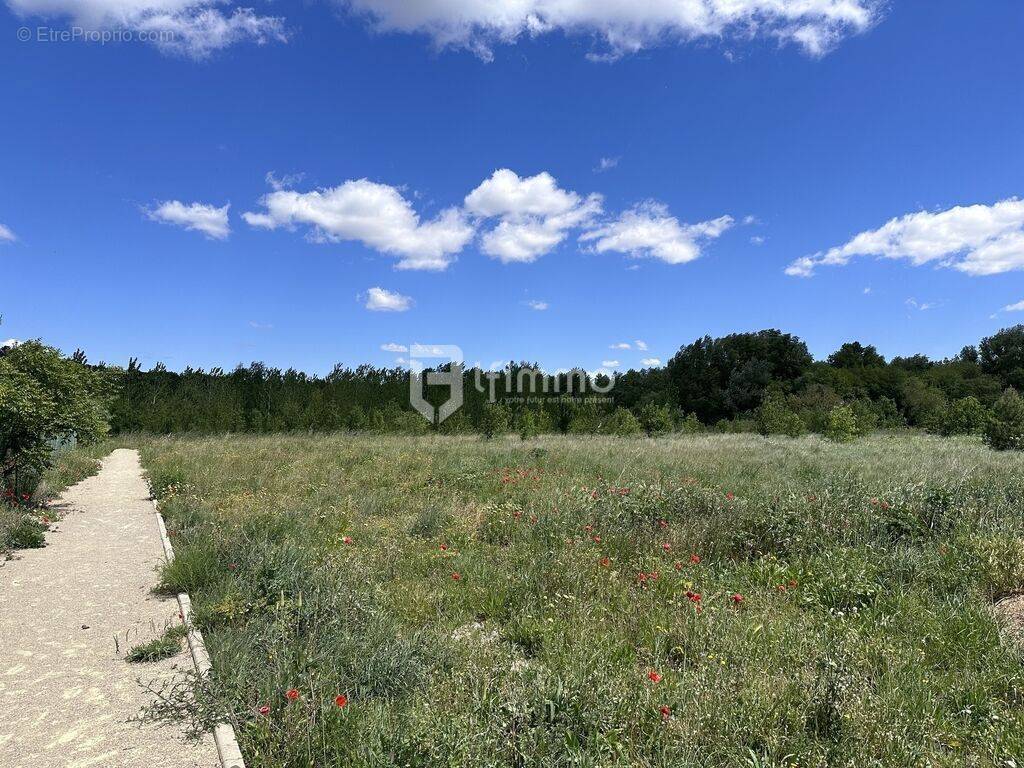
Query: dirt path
pixel 67 698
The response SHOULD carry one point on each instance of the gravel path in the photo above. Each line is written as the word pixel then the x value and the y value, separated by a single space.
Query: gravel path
pixel 68 699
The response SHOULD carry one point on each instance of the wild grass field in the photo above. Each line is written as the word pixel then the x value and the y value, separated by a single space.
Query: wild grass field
pixel 690 601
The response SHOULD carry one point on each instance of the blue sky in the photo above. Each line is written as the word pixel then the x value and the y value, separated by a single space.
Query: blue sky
pixel 379 125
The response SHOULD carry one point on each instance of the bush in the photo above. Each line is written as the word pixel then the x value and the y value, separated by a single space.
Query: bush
pixel 966 416
pixel 621 422
pixel 494 420
pixel 656 419
pixel 774 417
pixel 865 417
pixel 1005 427
pixel 842 424
pixel 690 425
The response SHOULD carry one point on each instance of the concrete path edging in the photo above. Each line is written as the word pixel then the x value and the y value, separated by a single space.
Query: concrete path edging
pixel 228 751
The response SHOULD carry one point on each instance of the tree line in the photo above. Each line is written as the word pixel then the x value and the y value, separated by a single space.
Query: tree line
pixel 763 381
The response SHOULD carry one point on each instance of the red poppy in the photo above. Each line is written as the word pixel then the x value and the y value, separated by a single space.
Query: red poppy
pixel 677 565
pixel 588 528
pixel 597 539
pixel 346 539
pixel 666 713
pixel 663 524
pixel 341 700
pixel 443 547
pixel 456 576
pixel 517 514
pixel 695 559
pixel 781 588
pixel 792 583
pixel 667 547
pixel 605 562
pixel 736 599
pixel 654 677
pixel 264 710
pixel 694 597
pixel 25 497
pixel 232 566
pixel 46 520
pixel 292 694
pixel 730 495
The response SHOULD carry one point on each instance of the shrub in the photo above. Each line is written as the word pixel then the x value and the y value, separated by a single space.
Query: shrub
pixel 864 416
pixel 690 425
pixel 842 424
pixel 621 422
pixel 1005 427
pixel 966 416
pixel 656 419
pixel 494 420
pixel 533 422
pixel 774 417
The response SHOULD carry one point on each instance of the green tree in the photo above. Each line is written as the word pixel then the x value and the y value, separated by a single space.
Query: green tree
pixel 1005 428
pixel 46 398
pixel 622 423
pixel 494 420
pixel 656 419
pixel 966 416
pixel 842 424
pixel 775 417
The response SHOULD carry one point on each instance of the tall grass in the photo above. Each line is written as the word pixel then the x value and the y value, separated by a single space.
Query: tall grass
pixel 702 600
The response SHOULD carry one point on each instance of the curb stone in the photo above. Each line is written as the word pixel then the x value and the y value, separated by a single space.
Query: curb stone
pixel 223 734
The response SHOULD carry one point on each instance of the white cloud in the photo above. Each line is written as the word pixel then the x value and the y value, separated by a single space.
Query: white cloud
pixel 867 290
pixel 922 306
pixel 392 347
pixel 609 363
pixel 9 344
pixel 193 28
pixel 199 217
pixel 6 235
pixel 641 345
pixel 376 215
pixel 539 306
pixel 647 230
pixel 976 239
pixel 277 183
pixel 260 326
pixel 1018 307
pixel 535 214
pixel 624 26
pixel 620 345
pixel 606 164
pixel 650 362
pixel 757 240
pixel 381 300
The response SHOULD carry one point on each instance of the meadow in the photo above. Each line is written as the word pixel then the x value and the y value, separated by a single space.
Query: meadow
pixel 702 600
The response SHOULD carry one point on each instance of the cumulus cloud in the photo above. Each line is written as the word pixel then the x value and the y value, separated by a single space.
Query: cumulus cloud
pixel 975 239
pixel 6 235
pixel 377 215
pixel 650 362
pixel 381 300
pixel 539 306
pixel 535 214
pixel 620 345
pixel 194 28
pixel 606 164
pixel 623 26
pixel 649 231
pixel 392 347
pixel 199 217
pixel 641 345
pixel 609 363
